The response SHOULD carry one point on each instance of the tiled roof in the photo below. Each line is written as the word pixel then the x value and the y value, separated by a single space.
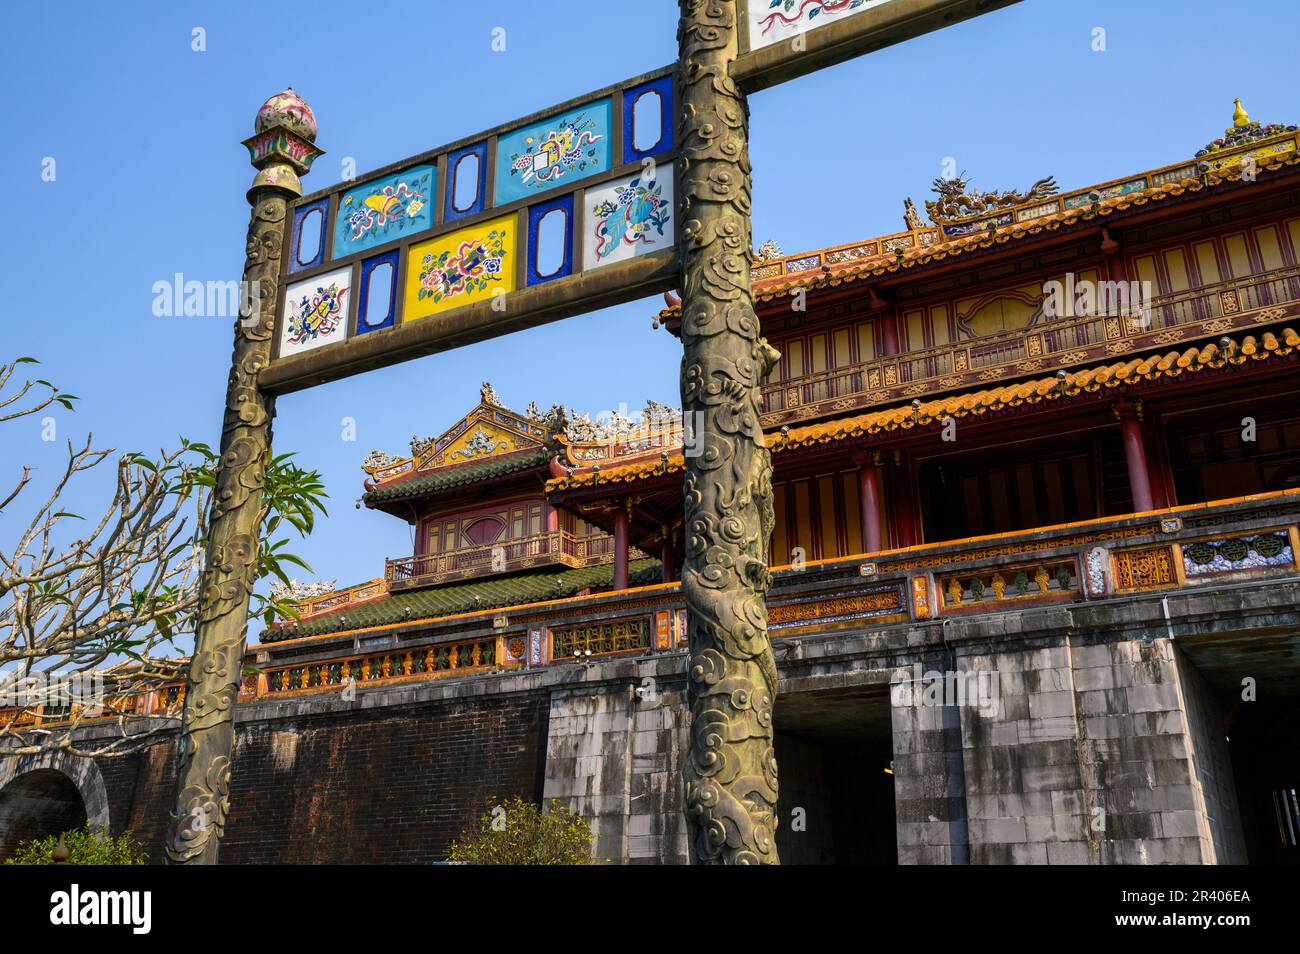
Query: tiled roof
pixel 841 264
pixel 449 478
pixel 466 597
pixel 1148 368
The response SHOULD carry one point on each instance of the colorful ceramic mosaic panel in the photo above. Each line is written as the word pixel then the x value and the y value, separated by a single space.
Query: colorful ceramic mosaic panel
pixel 1238 553
pixel 636 103
pixel 559 151
pixel 628 217
pixel 308 242
pixel 383 210
pixel 468 265
pixel 771 21
pixel 983 225
pixel 377 306
pixel 1110 192
pixel 316 312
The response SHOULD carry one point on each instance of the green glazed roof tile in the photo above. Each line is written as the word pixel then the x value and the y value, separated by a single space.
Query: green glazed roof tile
pixel 448 478
pixel 451 598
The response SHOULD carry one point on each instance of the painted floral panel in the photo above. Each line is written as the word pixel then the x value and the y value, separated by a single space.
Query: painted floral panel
pixel 771 21
pixel 628 217
pixel 315 312
pixel 559 151
pixel 383 210
pixel 465 266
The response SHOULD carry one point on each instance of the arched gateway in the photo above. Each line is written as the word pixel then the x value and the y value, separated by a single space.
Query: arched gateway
pixel 47 794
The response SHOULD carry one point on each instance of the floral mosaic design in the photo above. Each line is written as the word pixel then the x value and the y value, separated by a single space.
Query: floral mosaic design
pixel 556 152
pixel 384 210
pixel 1238 553
pixel 470 268
pixel 778 20
pixel 315 312
pixel 462 267
pixel 627 218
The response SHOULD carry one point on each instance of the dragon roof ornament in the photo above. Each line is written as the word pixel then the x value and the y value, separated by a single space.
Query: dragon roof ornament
pixel 616 426
pixel 958 200
pixel 296 592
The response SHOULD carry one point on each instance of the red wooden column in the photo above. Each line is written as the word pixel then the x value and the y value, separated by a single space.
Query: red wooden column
pixel 668 557
pixel 869 501
pixel 1157 445
pixel 888 324
pixel 889 329
pixel 901 500
pixel 1135 454
pixel 1115 270
pixel 620 548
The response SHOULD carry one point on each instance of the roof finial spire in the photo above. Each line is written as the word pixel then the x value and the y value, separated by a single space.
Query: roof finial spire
pixel 1240 118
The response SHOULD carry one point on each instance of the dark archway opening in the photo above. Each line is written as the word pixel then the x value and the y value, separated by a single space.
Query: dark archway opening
pixel 38 804
pixel 833 753
pixel 1264 742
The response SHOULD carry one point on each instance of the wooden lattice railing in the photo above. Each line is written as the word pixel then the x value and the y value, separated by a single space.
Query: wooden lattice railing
pixel 1055 344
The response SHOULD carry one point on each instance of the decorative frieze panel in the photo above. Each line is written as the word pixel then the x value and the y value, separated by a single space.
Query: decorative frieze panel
pixel 836 608
pixel 316 312
pixel 1144 568
pixel 469 265
pixel 562 150
pixel 587 183
pixel 600 638
pixel 1272 549
pixel 383 210
pixel 628 217
pixel 771 21
pixel 1097 571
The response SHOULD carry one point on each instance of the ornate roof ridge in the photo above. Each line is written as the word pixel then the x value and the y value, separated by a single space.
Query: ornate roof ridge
pixel 1270 146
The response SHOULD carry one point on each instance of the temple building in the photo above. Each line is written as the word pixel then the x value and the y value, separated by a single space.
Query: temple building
pixel 1035 575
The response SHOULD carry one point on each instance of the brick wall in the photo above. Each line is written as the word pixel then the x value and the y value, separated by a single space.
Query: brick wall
pixel 391 785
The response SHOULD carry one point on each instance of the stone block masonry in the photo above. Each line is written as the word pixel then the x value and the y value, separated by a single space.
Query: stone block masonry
pixel 1098 758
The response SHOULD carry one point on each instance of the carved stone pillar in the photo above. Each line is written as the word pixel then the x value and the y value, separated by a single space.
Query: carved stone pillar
pixel 281 149
pixel 731 784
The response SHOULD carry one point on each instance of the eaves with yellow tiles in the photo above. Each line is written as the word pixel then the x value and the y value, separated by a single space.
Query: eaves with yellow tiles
pixel 1251 348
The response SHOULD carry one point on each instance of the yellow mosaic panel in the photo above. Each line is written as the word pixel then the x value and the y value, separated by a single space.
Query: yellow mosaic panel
pixel 468 265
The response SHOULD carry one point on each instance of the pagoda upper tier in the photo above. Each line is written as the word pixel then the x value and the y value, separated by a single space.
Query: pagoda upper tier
pixel 963 300
pixel 963 219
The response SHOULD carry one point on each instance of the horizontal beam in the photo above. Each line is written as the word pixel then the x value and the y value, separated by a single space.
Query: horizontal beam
pixel 872 29
pixel 524 308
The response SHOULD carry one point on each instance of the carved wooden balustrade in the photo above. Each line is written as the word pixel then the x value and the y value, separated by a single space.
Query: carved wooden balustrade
pixel 162 700
pixel 599 639
pixel 554 547
pixel 446 659
pixel 1208 311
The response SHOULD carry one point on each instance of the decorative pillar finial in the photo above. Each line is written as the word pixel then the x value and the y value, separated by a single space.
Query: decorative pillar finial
pixel 282 146
pixel 1240 118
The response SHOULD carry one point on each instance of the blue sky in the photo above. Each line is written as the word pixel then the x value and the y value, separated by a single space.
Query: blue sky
pixel 150 181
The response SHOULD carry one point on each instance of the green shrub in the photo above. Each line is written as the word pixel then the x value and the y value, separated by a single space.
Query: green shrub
pixel 516 832
pixel 85 847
